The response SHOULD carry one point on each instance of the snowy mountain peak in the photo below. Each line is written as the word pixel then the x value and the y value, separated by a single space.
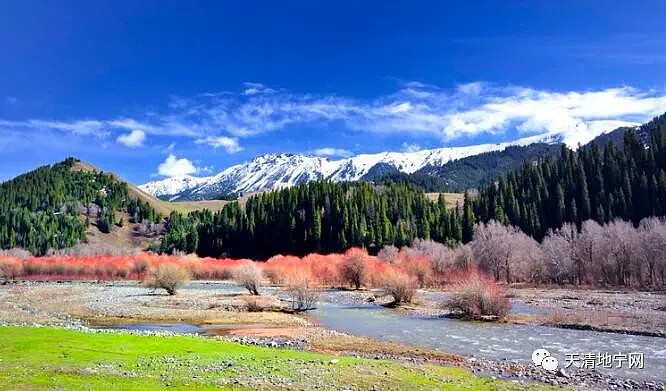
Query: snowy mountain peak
pixel 173 185
pixel 278 170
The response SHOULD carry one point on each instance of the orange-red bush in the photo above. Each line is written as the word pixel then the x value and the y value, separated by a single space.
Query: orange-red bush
pixel 120 267
pixel 10 269
pixel 419 268
pixel 400 285
pixel 478 295
pixel 354 267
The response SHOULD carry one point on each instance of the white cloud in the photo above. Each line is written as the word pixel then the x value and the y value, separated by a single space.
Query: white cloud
pixel 174 167
pixel 206 169
pixel 474 88
pixel 80 127
pixel 256 88
pixel 577 116
pixel 332 152
pixel 230 144
pixel 133 139
pixel 411 147
pixel 465 111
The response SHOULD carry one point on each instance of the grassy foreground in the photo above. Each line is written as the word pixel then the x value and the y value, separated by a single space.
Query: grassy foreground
pixel 47 358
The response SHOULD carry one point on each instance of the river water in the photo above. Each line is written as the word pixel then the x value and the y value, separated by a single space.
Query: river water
pixel 494 341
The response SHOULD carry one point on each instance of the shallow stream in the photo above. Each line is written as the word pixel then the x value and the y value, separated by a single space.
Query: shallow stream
pixel 495 341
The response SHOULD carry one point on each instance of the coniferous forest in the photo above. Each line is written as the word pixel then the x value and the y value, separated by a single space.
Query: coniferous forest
pixel 627 182
pixel 51 207
pixel 318 217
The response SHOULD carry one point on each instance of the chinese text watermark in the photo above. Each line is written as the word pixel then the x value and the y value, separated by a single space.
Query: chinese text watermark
pixel 542 358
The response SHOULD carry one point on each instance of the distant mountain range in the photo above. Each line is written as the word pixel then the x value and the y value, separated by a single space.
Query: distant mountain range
pixel 275 171
pixel 441 169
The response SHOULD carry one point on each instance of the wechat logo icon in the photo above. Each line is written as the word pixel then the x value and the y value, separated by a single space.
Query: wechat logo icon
pixel 542 358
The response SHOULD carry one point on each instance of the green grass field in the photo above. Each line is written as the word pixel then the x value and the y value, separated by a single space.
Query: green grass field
pixel 51 358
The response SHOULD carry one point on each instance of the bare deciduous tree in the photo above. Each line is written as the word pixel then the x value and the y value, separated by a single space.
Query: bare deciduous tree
pixel 168 277
pixel 622 263
pixel 16 253
pixel 440 256
pixel 463 256
pixel 389 254
pixel 589 246
pixel 504 251
pixel 400 286
pixel 560 254
pixel 249 276
pixel 652 234
pixel 354 267
pixel 613 254
pixel 303 293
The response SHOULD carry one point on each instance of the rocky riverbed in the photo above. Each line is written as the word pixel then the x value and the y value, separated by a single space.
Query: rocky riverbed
pixel 221 311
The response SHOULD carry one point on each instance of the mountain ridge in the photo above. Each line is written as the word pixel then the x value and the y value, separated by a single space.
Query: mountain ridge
pixel 439 169
pixel 278 170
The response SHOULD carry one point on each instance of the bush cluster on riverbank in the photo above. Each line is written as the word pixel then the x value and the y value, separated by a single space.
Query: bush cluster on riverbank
pixel 478 297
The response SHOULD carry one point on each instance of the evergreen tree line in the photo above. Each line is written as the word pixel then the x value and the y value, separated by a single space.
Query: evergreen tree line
pixel 43 209
pixel 319 217
pixel 627 182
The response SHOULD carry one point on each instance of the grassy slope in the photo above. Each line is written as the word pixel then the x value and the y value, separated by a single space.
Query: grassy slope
pixel 45 358
pixel 449 198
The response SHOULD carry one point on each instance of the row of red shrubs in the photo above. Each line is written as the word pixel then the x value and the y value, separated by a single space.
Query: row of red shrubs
pixel 354 268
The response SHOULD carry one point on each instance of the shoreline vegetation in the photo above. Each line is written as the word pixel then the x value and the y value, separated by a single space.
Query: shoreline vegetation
pixel 396 273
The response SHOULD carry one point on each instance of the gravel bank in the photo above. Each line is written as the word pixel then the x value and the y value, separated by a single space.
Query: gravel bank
pixel 77 305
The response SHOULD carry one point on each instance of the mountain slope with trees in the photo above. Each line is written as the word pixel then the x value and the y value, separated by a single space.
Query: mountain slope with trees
pixel 471 172
pixel 627 182
pixel 51 207
pixel 383 173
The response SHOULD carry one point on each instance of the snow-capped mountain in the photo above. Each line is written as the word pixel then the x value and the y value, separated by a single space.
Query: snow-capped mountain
pixel 173 185
pixel 275 171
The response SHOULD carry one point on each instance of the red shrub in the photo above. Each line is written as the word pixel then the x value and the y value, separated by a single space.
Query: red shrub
pixel 478 295
pixel 400 285
pixel 325 269
pixel 10 269
pixel 419 268
pixel 354 267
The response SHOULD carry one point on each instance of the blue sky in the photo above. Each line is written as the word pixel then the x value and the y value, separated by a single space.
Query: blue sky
pixel 149 89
